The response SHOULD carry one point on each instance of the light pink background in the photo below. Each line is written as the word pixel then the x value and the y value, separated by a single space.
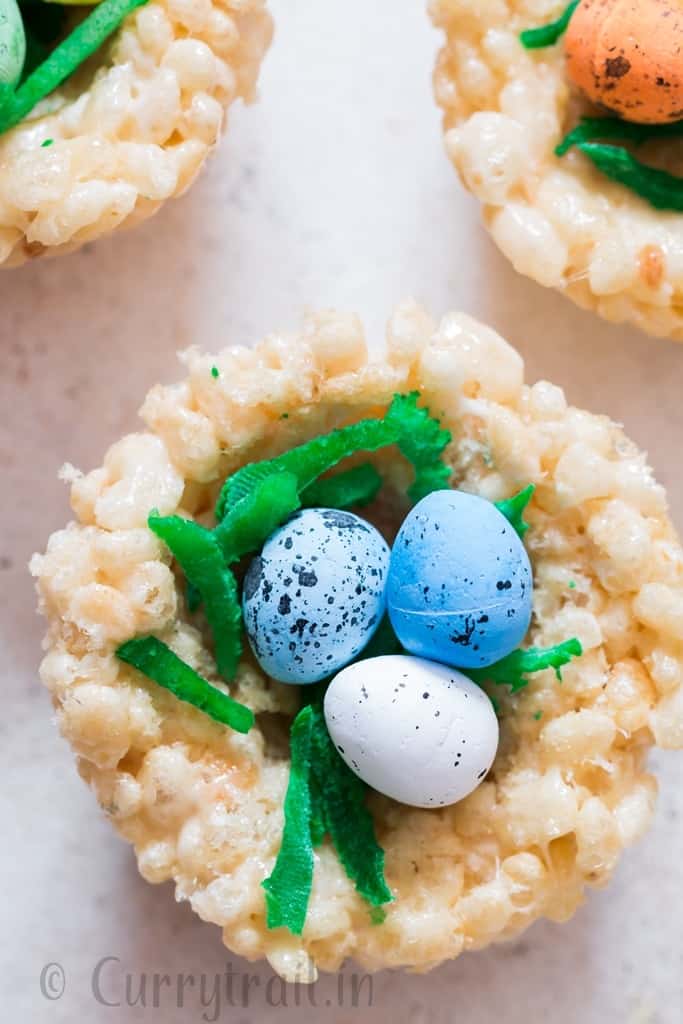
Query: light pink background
pixel 334 190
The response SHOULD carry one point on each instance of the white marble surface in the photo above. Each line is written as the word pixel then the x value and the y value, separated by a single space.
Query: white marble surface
pixel 334 190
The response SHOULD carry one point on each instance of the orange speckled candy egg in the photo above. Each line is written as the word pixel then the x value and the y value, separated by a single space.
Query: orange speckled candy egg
pixel 627 55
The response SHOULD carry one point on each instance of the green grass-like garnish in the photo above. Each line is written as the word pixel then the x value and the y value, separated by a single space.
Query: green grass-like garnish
pixel 66 57
pixel 158 662
pixel 548 35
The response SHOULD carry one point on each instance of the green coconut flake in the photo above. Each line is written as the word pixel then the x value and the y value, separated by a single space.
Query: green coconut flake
pixel 318 820
pixel 419 437
pixel 67 56
pixel 660 189
pixel 288 888
pixel 348 819
pixel 548 35
pixel 158 662
pixel 250 522
pixel 512 670
pixel 193 598
pixel 590 129
pixel 43 24
pixel 199 555
pixel 353 488
pixel 422 440
pixel 513 509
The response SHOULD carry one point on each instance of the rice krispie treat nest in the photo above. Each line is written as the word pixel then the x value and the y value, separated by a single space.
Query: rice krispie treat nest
pixel 131 128
pixel 203 805
pixel 557 219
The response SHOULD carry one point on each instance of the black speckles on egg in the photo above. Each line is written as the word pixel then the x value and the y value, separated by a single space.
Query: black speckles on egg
pixel 252 581
pixel 333 519
pixel 460 595
pixel 424 744
pixel 338 563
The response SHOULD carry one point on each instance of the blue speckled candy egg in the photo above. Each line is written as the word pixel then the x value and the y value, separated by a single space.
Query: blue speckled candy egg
pixel 315 595
pixel 460 582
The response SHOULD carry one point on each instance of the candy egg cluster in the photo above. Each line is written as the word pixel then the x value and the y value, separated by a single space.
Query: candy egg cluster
pixel 315 595
pixel 414 730
pixel 459 588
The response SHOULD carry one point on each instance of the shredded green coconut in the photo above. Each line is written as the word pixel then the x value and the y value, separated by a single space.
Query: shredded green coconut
pixel 355 487
pixel 250 522
pixel 419 437
pixel 548 35
pixel 660 189
pixel 288 888
pixel 590 129
pixel 512 670
pixel 323 795
pixel 158 662
pixel 347 817
pixel 80 44
pixel 513 509
pixel 199 555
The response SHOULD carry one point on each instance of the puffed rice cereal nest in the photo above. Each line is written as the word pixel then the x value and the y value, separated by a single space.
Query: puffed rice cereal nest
pixel 557 219
pixel 203 805
pixel 131 129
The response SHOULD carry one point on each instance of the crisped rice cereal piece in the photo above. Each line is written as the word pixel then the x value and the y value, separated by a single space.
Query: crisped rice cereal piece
pixel 203 805
pixel 123 137
pixel 557 219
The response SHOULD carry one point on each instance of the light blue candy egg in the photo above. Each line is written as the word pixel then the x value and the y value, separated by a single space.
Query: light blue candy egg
pixel 315 595
pixel 460 582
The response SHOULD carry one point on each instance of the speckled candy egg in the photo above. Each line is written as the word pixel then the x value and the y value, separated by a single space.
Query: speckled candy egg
pixel 315 595
pixel 626 55
pixel 460 582
pixel 416 731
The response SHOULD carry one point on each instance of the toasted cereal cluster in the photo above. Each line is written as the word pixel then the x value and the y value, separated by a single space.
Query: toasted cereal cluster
pixel 203 805
pixel 133 133
pixel 558 220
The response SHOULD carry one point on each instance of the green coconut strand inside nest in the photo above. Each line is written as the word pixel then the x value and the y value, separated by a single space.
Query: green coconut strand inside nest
pixel 548 35
pixel 514 508
pixel 158 662
pixel 513 670
pixel 419 437
pixel 323 797
pixel 288 888
pixel 67 57
pixel 200 556
pixel 353 488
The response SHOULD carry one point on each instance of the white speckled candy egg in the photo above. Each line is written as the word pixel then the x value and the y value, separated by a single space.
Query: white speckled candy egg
pixel 314 596
pixel 415 730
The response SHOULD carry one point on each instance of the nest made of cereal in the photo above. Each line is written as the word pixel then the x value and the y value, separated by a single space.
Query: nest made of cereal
pixel 557 219
pixel 131 128
pixel 203 805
